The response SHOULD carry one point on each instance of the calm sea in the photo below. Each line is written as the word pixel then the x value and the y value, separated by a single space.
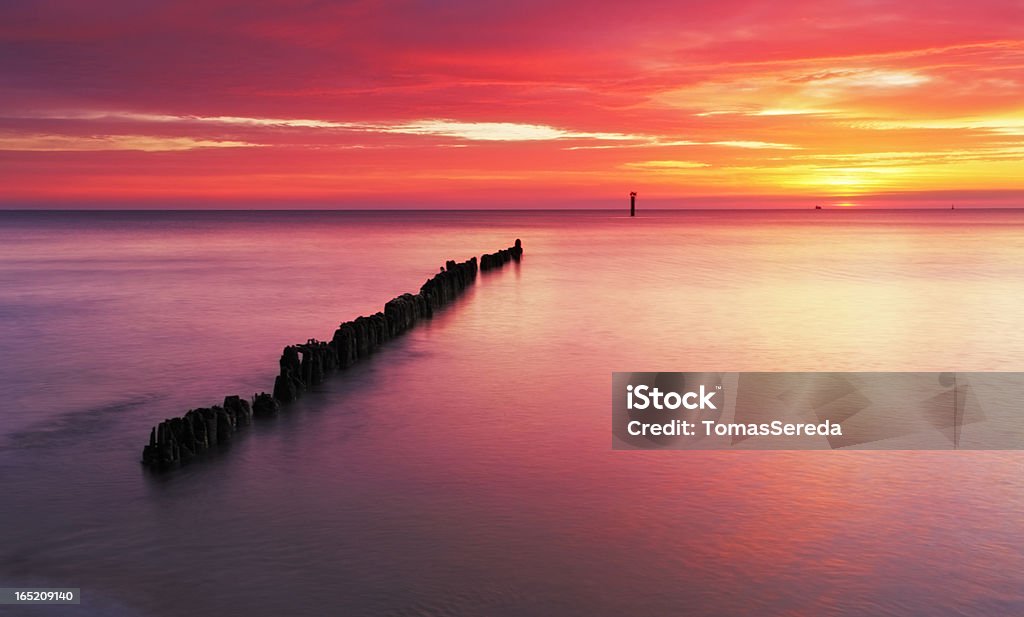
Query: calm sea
pixel 467 468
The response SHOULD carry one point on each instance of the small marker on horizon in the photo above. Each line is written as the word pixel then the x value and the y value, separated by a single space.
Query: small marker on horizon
pixel 632 203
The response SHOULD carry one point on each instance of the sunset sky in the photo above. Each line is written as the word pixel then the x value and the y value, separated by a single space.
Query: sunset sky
pixel 488 103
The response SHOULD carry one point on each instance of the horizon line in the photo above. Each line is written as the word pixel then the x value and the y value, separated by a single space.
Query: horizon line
pixel 593 209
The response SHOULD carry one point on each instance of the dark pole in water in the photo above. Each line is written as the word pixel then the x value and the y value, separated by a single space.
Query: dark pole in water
pixel 956 415
pixel 632 203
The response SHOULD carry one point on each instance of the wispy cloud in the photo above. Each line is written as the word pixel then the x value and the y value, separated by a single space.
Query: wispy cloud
pixel 755 145
pixel 495 131
pixel 791 112
pixel 95 143
pixel 863 78
pixel 470 131
pixel 765 112
pixel 665 165
pixel 658 142
pixel 1003 126
pixel 451 129
pixel 141 117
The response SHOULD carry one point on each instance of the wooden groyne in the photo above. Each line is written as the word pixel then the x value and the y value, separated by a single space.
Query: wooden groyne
pixel 303 366
pixel 502 257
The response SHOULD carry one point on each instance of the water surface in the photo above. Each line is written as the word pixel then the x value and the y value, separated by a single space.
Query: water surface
pixel 467 469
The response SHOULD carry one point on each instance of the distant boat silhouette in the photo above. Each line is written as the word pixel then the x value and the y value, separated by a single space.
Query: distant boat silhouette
pixel 817 207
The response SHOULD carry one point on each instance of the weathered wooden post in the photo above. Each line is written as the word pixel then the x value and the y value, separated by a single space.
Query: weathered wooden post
pixel 632 203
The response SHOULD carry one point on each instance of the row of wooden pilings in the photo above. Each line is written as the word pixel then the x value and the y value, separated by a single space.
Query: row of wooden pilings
pixel 303 366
